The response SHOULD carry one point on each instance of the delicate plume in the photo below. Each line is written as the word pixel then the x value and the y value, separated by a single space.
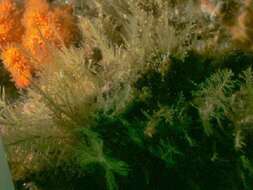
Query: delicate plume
pixel 18 65
pixel 37 26
pixel 11 29
pixel 47 25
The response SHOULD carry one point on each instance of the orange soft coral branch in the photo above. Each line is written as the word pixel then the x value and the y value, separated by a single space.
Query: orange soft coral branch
pixel 44 24
pixel 37 27
pixel 65 24
pixel 33 27
pixel 18 65
pixel 11 29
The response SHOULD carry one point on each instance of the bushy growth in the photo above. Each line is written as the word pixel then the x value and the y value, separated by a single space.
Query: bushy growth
pixel 154 97
pixel 184 126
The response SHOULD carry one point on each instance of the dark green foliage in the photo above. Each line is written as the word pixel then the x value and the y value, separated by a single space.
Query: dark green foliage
pixel 184 127
pixel 236 60
pixel 187 124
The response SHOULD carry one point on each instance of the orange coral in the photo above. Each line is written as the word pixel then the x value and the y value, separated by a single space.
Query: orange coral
pixel 18 65
pixel 11 29
pixel 37 25
pixel 65 24
pixel 56 26
pixel 34 27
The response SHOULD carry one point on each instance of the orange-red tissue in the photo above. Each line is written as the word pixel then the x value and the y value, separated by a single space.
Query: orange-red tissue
pixel 47 25
pixel 11 29
pixel 18 65
pixel 36 25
